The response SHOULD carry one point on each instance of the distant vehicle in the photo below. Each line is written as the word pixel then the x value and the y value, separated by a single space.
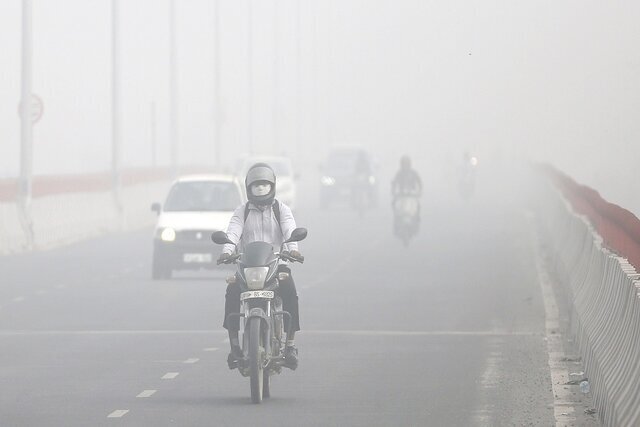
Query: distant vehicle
pixel 467 176
pixel 285 176
pixel 348 174
pixel 196 206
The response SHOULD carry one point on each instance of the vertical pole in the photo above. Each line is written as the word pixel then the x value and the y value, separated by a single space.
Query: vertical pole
pixel 26 127
pixel 250 75
pixel 116 129
pixel 216 87
pixel 298 79
pixel 173 91
pixel 276 88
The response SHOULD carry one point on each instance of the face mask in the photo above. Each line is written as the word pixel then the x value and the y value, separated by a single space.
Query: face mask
pixel 260 189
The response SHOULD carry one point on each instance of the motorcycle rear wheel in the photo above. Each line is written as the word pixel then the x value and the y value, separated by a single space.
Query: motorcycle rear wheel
pixel 256 353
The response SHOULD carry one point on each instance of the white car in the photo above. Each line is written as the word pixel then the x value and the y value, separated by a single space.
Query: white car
pixel 196 206
pixel 285 177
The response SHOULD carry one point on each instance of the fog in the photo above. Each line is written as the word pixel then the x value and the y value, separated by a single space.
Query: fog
pixel 514 81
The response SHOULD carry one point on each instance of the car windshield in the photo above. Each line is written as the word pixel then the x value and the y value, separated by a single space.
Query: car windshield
pixel 202 196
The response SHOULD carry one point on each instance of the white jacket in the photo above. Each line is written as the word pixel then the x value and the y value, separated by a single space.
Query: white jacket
pixel 261 225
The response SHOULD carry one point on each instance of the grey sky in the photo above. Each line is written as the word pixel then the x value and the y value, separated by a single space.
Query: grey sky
pixel 552 80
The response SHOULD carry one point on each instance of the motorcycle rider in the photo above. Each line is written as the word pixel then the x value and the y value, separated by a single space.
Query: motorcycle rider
pixel 261 220
pixel 406 181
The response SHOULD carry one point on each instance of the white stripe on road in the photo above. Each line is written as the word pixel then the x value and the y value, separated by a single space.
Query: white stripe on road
pixel 170 375
pixel 496 333
pixel 194 360
pixel 118 414
pixel 489 333
pixel 113 332
pixel 564 399
pixel 41 292
pixel 147 393
pixel 18 299
pixel 210 349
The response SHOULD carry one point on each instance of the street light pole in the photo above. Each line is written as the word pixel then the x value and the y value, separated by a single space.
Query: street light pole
pixel 217 143
pixel 250 75
pixel 276 87
pixel 173 90
pixel 26 128
pixel 116 123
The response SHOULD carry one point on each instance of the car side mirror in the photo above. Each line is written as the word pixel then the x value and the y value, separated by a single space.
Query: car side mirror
pixel 156 207
pixel 220 237
pixel 297 235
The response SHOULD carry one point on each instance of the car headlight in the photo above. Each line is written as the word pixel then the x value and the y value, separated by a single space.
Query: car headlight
pixel 327 180
pixel 168 235
pixel 255 277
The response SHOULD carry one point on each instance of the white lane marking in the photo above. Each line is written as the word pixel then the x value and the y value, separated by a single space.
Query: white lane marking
pixel 563 405
pixel 18 299
pixel 147 393
pixel 170 375
pixel 61 286
pixel 118 413
pixel 191 361
pixel 210 349
pixel 494 333
pixel 112 332
pixel 41 292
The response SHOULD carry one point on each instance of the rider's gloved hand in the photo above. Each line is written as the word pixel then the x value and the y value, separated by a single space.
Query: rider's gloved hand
pixel 223 257
pixel 295 254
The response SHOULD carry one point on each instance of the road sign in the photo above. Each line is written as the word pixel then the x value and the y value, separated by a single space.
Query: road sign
pixel 37 108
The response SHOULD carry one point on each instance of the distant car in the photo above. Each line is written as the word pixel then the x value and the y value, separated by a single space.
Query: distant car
pixel 196 206
pixel 285 176
pixel 346 173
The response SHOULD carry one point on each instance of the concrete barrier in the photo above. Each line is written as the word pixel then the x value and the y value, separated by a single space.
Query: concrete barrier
pixel 68 209
pixel 603 287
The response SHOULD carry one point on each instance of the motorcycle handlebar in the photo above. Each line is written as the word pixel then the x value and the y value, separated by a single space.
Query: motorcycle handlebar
pixel 287 257
pixel 232 259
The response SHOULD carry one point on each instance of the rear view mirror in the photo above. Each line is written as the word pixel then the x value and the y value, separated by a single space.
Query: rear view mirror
pixel 297 235
pixel 221 238
pixel 156 207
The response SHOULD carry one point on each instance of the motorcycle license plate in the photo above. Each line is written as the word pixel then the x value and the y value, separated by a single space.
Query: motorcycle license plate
pixel 197 258
pixel 256 294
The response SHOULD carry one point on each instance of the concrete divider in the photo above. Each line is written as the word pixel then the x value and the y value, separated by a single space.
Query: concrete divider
pixel 67 209
pixel 603 287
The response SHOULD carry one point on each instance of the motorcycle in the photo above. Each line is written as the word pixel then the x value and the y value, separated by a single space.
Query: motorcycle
pixel 263 334
pixel 406 216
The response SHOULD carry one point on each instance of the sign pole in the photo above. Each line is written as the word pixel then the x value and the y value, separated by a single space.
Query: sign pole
pixel 26 126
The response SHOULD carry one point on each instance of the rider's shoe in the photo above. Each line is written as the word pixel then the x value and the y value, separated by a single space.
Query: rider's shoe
pixel 291 357
pixel 234 356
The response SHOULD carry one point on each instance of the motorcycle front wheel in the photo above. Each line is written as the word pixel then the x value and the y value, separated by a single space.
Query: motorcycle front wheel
pixel 256 356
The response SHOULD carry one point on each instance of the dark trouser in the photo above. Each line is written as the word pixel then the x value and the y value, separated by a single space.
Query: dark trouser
pixel 286 290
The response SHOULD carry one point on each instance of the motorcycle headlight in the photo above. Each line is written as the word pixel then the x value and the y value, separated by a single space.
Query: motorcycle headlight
pixel 327 180
pixel 255 277
pixel 168 235
pixel 372 180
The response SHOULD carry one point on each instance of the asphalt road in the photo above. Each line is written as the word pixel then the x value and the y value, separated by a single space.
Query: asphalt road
pixel 447 332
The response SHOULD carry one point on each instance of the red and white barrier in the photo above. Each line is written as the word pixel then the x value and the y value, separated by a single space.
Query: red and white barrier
pixel 66 209
pixel 596 245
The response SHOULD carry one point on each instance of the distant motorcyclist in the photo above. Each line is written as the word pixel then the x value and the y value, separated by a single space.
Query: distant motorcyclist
pixel 407 181
pixel 262 218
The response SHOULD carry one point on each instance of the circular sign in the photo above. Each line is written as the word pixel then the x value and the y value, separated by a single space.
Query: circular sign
pixel 37 108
